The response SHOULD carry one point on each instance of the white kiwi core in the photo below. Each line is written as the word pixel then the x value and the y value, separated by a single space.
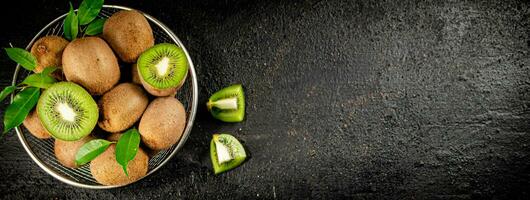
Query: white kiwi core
pixel 162 66
pixel 223 154
pixel 226 104
pixel 66 111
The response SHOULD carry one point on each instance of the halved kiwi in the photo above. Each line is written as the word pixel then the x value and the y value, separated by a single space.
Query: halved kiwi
pixel 67 111
pixel 228 104
pixel 226 152
pixel 163 69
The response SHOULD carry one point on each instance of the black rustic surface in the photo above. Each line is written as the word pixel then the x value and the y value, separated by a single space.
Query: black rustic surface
pixel 346 99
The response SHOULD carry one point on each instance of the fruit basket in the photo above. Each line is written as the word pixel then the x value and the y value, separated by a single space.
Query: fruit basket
pixel 42 151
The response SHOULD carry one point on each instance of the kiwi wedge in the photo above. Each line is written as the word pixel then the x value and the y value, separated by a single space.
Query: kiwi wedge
pixel 163 69
pixel 226 152
pixel 67 111
pixel 228 104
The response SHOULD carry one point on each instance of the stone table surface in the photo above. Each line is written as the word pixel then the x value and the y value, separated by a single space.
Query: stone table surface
pixel 346 99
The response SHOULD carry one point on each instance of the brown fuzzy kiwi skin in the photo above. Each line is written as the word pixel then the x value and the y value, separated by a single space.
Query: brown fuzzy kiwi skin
pixel 161 92
pixel 49 50
pixel 163 123
pixel 121 107
pixel 135 75
pixel 107 171
pixel 129 34
pixel 34 125
pixel 65 150
pixel 90 62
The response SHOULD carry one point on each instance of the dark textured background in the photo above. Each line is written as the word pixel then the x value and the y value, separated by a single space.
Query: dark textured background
pixel 346 99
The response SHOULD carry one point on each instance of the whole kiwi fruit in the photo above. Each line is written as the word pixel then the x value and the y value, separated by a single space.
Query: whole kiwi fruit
pixel 107 171
pixel 121 107
pixel 49 51
pixel 65 151
pixel 163 123
pixel 129 34
pixel 34 126
pixel 90 62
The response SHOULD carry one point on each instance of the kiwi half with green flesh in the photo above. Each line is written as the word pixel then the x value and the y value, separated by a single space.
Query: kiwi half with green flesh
pixel 67 111
pixel 163 69
pixel 228 104
pixel 226 152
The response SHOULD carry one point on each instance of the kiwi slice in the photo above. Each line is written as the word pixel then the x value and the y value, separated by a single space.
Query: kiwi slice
pixel 228 104
pixel 163 69
pixel 67 111
pixel 226 152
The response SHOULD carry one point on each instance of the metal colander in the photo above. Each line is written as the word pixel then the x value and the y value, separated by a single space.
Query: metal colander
pixel 42 151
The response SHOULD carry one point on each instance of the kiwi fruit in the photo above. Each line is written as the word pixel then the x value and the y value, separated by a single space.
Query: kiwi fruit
pixel 162 123
pixel 107 171
pixel 121 107
pixel 228 104
pixel 226 152
pixel 34 126
pixel 65 151
pixel 49 50
pixel 163 69
pixel 67 111
pixel 135 76
pixel 90 62
pixel 129 34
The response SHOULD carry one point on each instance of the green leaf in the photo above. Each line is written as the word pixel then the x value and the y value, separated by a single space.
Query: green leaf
pixel 22 57
pixel 127 147
pixel 71 24
pixel 96 27
pixel 89 10
pixel 22 104
pixel 39 80
pixel 6 91
pixel 91 150
pixel 48 70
